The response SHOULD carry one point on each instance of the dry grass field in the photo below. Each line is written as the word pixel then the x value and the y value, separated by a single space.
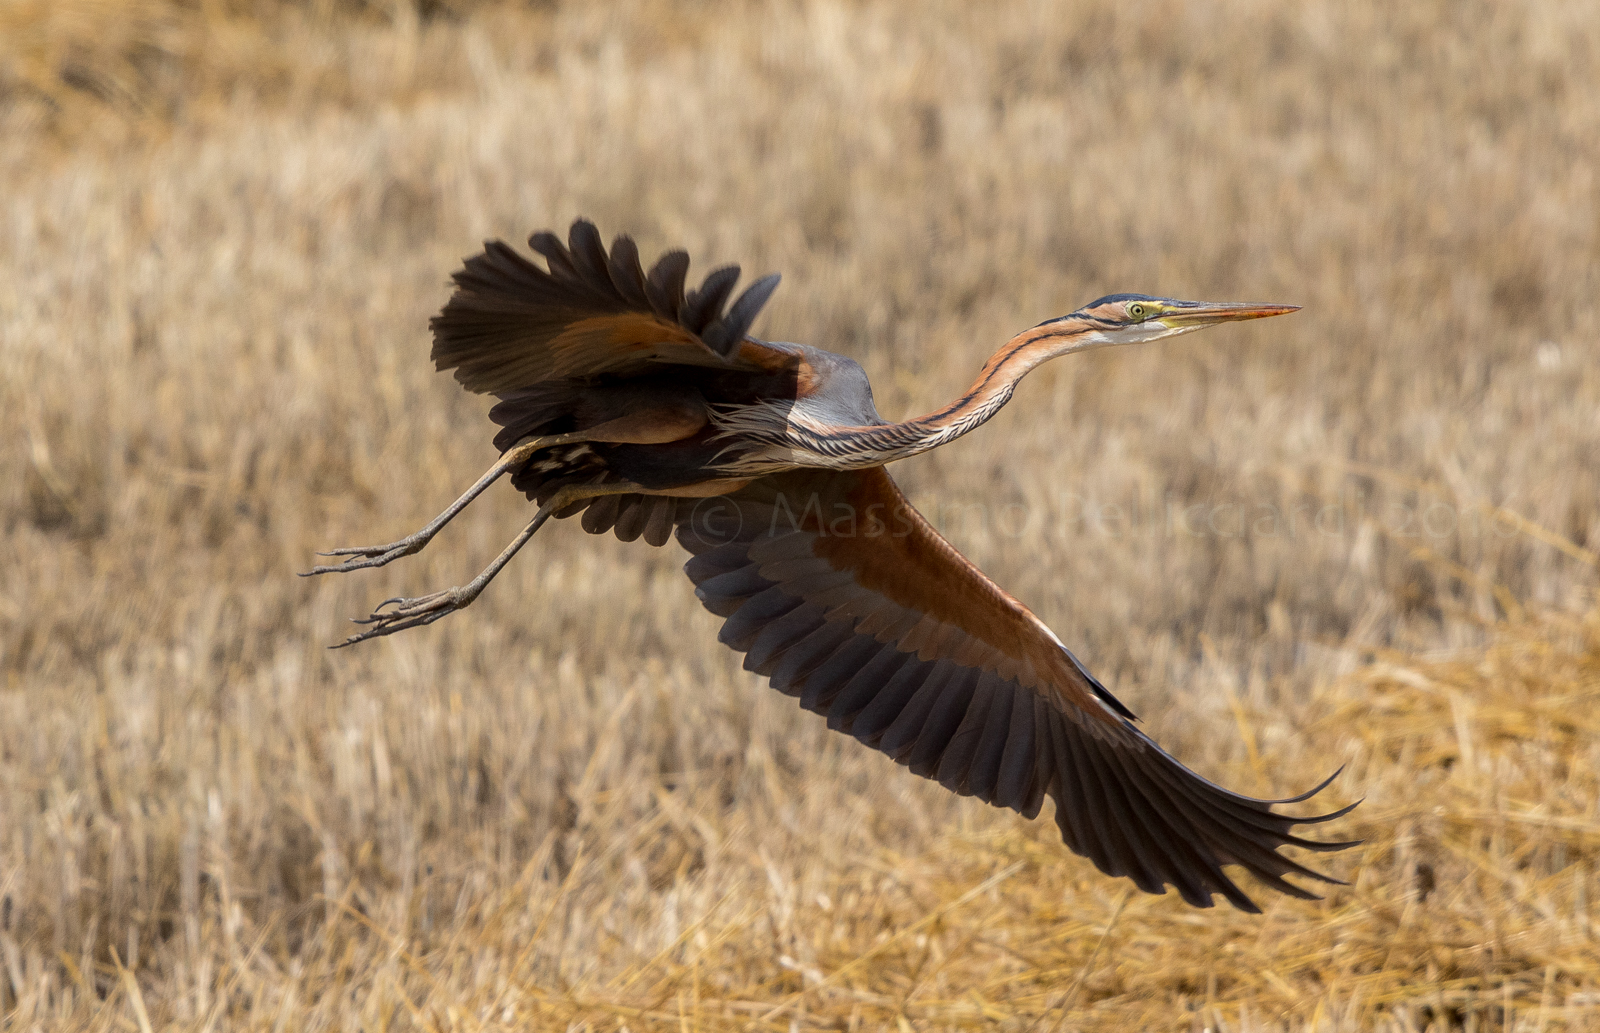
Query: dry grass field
pixel 1363 535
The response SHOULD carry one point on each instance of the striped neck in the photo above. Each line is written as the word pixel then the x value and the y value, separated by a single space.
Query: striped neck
pixel 862 447
pixel 993 388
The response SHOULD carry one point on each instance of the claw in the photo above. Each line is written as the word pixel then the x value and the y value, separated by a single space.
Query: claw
pixel 414 613
pixel 377 613
pixel 408 613
pixel 377 556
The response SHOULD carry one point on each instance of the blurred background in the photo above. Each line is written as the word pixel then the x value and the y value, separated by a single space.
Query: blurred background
pixel 1365 534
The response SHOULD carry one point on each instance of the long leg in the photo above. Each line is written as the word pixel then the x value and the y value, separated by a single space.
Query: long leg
pixel 413 613
pixel 378 555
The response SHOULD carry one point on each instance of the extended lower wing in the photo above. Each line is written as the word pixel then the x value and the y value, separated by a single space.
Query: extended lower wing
pixel 843 595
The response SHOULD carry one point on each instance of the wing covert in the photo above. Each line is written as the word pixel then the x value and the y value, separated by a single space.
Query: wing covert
pixel 837 590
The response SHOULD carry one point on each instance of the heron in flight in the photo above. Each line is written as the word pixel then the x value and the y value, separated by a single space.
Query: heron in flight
pixel 654 413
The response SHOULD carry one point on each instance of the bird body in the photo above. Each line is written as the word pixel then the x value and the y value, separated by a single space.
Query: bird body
pixel 652 412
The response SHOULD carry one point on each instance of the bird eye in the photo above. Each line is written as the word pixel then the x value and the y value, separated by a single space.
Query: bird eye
pixel 1137 311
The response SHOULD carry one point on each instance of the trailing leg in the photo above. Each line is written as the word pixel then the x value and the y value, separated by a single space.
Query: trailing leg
pixel 379 555
pixel 413 613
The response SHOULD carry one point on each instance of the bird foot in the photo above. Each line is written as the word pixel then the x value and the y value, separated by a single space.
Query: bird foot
pixel 408 613
pixel 362 556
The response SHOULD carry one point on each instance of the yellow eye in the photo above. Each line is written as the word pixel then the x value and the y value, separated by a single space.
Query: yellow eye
pixel 1137 311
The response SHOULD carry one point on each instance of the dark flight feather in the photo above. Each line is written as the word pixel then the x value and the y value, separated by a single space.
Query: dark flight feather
pixel 950 714
pixel 511 326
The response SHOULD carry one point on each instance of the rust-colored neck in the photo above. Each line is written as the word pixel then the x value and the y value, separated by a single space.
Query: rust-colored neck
pixel 997 380
pixel 861 447
pixel 802 442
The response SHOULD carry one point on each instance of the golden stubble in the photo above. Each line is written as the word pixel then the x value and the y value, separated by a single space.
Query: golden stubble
pixel 1362 534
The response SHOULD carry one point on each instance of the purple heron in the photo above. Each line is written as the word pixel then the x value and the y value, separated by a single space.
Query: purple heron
pixel 653 413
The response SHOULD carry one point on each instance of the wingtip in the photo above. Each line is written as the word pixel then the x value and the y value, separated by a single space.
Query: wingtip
pixel 1313 791
pixel 1341 812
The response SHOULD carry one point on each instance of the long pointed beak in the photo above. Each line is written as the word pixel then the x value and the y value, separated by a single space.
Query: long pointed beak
pixel 1205 313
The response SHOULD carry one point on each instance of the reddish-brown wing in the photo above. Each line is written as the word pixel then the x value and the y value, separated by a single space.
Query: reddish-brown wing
pixel 594 339
pixel 511 325
pixel 842 594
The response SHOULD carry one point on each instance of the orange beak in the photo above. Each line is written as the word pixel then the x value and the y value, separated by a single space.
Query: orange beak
pixel 1189 315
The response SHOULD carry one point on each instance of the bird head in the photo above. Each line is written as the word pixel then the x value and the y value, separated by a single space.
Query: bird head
pixel 1132 318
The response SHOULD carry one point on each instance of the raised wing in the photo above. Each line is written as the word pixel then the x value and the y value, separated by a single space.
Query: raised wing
pixel 511 325
pixel 843 595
